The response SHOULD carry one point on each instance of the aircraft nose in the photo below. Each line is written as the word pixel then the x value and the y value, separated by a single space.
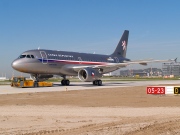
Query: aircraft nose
pixel 20 65
pixel 15 64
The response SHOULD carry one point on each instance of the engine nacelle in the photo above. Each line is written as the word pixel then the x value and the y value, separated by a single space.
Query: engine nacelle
pixel 41 77
pixel 89 74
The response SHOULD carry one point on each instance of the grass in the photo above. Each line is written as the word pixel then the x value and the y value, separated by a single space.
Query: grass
pixel 5 82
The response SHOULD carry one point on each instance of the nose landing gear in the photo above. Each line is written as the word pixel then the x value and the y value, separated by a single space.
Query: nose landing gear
pixel 36 80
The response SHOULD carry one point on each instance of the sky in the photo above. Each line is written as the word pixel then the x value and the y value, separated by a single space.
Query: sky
pixel 89 26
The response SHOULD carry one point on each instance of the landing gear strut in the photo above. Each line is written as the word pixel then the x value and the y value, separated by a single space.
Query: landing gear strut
pixel 36 84
pixel 36 81
pixel 97 82
pixel 65 82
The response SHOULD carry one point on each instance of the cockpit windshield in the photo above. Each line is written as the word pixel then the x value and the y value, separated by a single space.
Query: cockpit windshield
pixel 26 56
pixel 22 56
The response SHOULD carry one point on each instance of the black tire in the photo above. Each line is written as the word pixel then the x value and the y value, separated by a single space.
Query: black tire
pixel 99 82
pixel 67 82
pixel 62 82
pixel 95 82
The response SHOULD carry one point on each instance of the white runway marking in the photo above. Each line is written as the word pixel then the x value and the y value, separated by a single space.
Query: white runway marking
pixel 7 89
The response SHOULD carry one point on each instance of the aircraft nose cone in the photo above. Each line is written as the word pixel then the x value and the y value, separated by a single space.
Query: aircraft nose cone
pixel 20 65
pixel 15 64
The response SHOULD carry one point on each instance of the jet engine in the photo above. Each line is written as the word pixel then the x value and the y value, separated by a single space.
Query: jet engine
pixel 89 74
pixel 41 77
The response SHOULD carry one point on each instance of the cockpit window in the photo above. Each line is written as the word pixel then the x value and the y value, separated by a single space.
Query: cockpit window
pixel 32 56
pixel 28 56
pixel 22 56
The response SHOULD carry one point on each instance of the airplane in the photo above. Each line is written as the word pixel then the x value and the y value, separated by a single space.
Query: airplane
pixel 43 64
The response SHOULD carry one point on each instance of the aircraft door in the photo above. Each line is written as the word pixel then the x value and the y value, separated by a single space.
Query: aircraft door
pixel 44 57
pixel 80 60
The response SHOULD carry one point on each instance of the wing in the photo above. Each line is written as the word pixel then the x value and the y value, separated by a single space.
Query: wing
pixel 123 64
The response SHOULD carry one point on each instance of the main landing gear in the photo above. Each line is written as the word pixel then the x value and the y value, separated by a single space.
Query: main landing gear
pixel 65 82
pixel 97 82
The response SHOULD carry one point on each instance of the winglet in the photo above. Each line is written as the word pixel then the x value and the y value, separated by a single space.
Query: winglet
pixel 175 60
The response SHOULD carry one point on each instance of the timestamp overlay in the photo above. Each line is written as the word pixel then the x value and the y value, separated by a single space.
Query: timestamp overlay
pixel 163 90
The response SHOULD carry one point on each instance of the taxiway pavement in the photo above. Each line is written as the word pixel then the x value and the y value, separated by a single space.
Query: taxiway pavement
pixel 7 89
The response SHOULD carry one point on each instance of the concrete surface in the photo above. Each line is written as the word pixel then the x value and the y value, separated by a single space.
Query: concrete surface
pixel 6 89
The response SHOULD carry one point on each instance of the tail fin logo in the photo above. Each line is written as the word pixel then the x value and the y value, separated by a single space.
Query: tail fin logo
pixel 124 45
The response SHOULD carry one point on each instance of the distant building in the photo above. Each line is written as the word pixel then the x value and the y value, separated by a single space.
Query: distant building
pixel 170 69
pixel 133 72
pixel 114 73
pixel 107 74
pixel 142 72
pixel 3 78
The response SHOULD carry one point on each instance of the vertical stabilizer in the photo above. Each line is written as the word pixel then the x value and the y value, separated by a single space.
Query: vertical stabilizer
pixel 122 45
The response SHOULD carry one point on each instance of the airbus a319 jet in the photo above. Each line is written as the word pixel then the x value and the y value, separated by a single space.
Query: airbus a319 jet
pixel 43 64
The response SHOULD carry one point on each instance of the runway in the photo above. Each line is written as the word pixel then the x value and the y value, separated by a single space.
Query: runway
pixel 6 89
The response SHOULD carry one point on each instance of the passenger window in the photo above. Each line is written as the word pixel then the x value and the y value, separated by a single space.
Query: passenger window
pixel 32 56
pixel 28 56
